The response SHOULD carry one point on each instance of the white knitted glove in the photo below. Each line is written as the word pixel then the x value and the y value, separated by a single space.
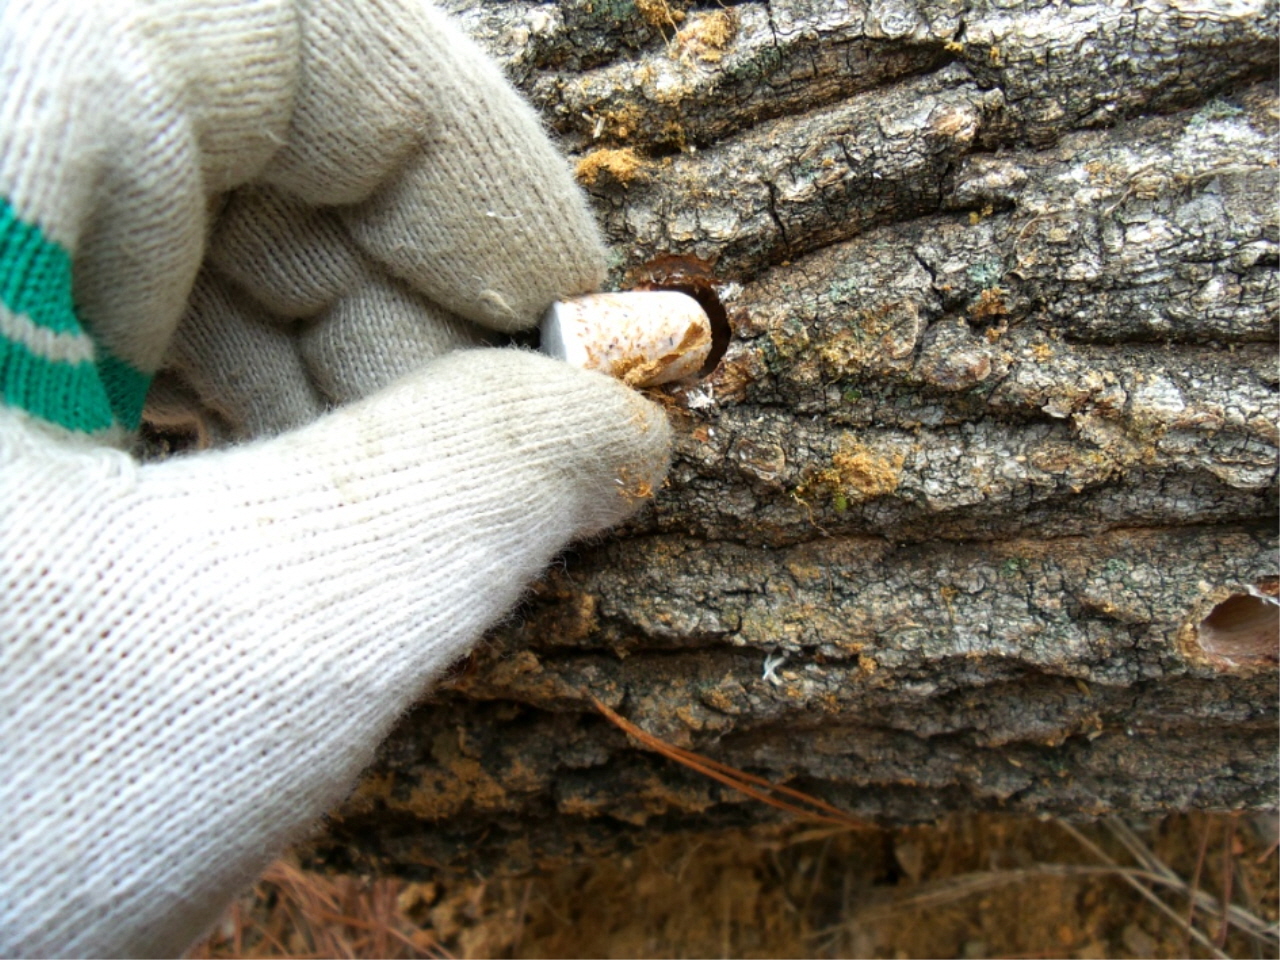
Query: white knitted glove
pixel 198 655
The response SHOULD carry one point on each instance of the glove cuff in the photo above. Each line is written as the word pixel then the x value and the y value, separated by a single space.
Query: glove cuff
pixel 49 365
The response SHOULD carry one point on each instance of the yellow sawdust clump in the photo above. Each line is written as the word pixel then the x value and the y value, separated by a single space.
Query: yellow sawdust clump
pixel 989 305
pixel 658 13
pixel 623 164
pixel 857 473
pixel 708 35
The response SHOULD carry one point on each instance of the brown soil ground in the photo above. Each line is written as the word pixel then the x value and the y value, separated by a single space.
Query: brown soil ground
pixel 973 886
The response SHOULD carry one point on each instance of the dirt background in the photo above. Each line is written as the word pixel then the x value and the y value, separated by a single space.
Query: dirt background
pixel 970 887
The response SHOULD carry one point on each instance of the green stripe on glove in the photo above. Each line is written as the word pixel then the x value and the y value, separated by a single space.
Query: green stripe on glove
pixel 49 365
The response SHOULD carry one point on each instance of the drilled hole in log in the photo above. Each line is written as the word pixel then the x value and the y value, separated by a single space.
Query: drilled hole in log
pixel 1243 629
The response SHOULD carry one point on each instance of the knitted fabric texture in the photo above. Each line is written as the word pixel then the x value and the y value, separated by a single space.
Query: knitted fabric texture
pixel 198 655
pixel 48 363
pixel 357 154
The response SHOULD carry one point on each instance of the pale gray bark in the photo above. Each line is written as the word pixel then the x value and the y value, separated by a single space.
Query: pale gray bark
pixel 996 433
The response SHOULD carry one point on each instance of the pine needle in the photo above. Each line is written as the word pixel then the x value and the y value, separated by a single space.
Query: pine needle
pixel 752 786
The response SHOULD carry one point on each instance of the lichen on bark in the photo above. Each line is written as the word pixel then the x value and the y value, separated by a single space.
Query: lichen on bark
pixel 995 437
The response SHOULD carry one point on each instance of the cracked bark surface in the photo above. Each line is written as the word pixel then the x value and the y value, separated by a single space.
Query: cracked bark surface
pixel 988 474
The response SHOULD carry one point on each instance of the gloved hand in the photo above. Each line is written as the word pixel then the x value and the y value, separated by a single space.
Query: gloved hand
pixel 292 205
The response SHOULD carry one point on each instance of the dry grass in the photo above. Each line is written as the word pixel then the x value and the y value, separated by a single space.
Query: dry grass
pixel 297 913
pixel 827 885
pixel 971 886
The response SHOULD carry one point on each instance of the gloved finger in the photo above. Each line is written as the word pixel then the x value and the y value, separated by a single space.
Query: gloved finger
pixel 241 364
pixel 297 261
pixel 376 333
pixel 460 192
pixel 514 449
pixel 290 257
pixel 312 582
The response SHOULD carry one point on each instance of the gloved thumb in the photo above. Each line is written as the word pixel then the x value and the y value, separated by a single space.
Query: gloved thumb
pixel 505 444
pixel 234 630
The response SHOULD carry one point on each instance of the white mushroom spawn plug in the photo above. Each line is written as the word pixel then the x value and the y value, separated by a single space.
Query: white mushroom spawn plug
pixel 642 337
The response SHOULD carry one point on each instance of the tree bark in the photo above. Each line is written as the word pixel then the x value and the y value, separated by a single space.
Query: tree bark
pixel 979 509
